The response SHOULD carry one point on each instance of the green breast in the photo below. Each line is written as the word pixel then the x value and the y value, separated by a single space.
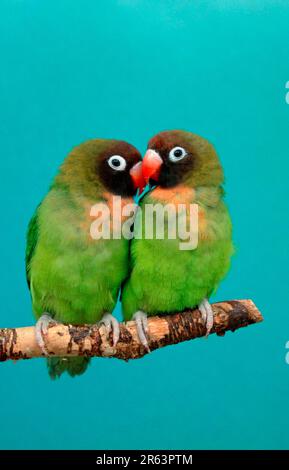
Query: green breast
pixel 167 279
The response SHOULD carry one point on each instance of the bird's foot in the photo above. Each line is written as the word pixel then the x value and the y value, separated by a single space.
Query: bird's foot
pixel 41 330
pixel 141 321
pixel 207 315
pixel 111 324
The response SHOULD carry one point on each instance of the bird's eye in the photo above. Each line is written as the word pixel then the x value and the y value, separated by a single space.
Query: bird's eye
pixel 177 153
pixel 116 162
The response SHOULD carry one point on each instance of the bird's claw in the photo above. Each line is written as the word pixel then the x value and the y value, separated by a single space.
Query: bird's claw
pixel 141 321
pixel 207 315
pixel 111 324
pixel 41 330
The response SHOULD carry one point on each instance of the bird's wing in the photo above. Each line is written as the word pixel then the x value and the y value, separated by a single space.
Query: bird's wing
pixel 31 242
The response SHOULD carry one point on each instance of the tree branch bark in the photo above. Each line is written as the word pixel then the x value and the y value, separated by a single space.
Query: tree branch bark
pixel 86 340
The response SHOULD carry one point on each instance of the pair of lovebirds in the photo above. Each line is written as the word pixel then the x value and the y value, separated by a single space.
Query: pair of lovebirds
pixel 75 279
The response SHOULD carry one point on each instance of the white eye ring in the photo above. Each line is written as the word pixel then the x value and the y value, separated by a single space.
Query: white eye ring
pixel 117 162
pixel 177 153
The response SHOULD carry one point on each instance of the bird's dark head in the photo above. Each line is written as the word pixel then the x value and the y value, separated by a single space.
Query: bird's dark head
pixel 119 168
pixel 103 164
pixel 180 157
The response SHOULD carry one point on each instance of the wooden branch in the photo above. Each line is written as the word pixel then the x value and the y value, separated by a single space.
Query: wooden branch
pixel 86 340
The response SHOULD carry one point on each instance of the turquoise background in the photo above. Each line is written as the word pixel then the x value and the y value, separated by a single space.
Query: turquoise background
pixel 73 70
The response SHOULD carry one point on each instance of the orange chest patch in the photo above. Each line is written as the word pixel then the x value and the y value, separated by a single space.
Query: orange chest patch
pixel 116 205
pixel 182 195
pixel 113 210
pixel 178 195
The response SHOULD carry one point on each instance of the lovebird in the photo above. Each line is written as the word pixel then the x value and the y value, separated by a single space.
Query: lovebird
pixel 183 169
pixel 74 278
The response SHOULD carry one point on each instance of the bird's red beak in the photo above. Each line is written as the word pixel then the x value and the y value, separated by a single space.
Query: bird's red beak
pixel 137 177
pixel 151 165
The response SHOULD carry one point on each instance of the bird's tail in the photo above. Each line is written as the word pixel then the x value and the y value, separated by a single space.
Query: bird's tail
pixel 72 365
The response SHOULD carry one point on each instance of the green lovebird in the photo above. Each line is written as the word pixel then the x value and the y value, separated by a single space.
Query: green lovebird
pixel 75 277
pixel 165 278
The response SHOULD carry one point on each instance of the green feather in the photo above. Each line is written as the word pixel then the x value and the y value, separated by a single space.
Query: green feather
pixel 72 365
pixel 32 237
